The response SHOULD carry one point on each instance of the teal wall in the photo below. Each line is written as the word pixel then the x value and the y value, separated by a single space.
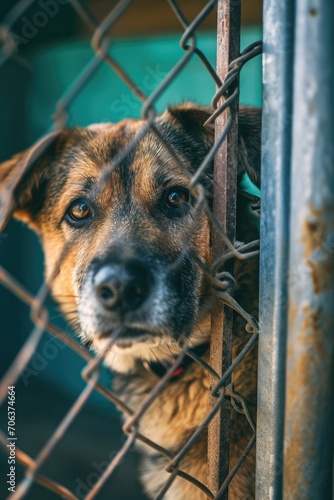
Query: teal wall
pixel 106 98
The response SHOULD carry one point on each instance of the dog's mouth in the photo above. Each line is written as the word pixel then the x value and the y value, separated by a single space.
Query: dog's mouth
pixel 132 335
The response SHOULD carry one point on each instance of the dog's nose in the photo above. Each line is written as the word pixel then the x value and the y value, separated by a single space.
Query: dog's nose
pixel 122 286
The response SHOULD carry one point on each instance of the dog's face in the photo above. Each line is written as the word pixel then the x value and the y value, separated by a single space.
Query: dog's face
pixel 124 240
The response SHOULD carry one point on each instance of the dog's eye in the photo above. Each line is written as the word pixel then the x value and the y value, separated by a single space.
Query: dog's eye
pixel 78 212
pixel 176 197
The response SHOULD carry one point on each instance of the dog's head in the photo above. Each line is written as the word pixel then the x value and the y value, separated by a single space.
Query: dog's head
pixel 125 241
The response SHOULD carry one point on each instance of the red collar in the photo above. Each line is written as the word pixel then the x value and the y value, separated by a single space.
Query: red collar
pixel 160 368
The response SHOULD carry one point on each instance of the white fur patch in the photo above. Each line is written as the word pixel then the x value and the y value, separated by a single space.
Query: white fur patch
pixel 99 127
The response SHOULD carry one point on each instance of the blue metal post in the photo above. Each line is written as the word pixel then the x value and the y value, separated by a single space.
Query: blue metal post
pixel 276 142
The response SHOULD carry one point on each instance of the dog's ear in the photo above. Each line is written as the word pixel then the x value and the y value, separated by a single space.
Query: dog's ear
pixel 184 128
pixel 22 177
pixel 192 117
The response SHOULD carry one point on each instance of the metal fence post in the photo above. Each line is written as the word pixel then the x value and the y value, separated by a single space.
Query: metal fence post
pixel 276 140
pixel 225 185
pixel 308 443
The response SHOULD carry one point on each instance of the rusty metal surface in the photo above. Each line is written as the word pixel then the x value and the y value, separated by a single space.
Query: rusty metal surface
pixel 224 208
pixel 309 415
pixel 223 223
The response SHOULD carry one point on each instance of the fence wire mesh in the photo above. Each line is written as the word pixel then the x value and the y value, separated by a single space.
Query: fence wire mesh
pixel 222 281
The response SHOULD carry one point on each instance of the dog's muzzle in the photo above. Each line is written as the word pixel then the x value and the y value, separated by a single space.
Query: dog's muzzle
pixel 144 292
pixel 122 286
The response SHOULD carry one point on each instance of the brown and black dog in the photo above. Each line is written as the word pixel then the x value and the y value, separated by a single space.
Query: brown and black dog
pixel 128 247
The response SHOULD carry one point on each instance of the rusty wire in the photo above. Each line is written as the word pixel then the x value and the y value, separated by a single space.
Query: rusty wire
pixel 223 390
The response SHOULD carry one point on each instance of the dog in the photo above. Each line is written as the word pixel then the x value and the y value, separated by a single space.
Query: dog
pixel 126 243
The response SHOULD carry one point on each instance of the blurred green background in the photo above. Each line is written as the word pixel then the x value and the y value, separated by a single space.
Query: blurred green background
pixel 105 97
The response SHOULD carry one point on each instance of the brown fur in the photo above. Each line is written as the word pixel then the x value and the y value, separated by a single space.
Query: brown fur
pixel 127 218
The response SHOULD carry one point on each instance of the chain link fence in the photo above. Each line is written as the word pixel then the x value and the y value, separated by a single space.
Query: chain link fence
pixel 223 395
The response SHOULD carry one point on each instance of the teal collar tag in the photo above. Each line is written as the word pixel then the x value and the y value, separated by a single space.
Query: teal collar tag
pixel 248 187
